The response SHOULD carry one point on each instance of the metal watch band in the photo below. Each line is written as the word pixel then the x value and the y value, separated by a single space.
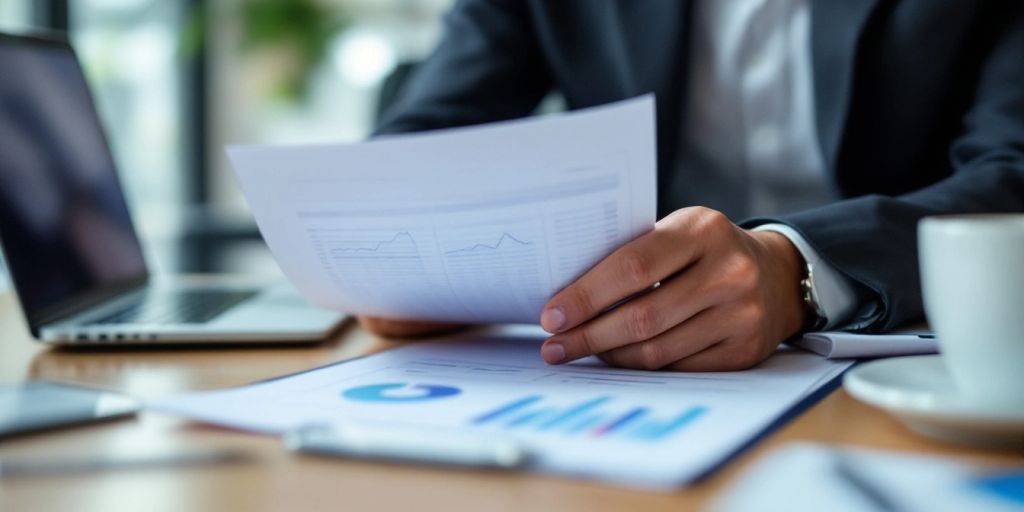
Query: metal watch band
pixel 818 318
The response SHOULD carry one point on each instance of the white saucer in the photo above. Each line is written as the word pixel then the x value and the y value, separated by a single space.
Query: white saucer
pixel 920 392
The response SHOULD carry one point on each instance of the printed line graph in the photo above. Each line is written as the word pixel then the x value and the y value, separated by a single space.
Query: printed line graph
pixel 402 246
pixel 497 245
pixel 458 263
pixel 505 255
pixel 377 247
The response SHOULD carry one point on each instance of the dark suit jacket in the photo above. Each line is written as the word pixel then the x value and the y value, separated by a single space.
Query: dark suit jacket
pixel 920 107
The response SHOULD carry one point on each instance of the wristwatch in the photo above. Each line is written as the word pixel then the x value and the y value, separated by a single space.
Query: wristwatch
pixel 818 319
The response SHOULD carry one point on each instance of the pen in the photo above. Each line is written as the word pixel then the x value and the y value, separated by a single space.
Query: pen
pixel 409 443
pixel 90 464
pixel 872 494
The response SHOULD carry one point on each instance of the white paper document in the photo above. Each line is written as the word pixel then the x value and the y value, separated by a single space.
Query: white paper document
pixel 813 478
pixel 636 428
pixel 479 224
pixel 840 345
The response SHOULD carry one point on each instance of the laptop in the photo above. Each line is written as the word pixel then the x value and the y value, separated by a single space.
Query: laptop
pixel 72 252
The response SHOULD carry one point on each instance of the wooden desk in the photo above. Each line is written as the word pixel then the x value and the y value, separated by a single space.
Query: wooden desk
pixel 276 479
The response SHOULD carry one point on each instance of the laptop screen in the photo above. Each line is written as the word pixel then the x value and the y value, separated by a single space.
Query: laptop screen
pixel 64 225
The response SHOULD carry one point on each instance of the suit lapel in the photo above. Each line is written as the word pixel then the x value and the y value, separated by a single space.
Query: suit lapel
pixel 836 26
pixel 655 54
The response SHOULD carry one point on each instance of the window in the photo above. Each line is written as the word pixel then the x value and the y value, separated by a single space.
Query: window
pixel 133 57
pixel 16 15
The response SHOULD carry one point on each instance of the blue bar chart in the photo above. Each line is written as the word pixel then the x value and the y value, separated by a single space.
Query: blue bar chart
pixel 589 418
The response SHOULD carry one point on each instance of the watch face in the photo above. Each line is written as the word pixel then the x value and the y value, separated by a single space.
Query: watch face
pixel 817 318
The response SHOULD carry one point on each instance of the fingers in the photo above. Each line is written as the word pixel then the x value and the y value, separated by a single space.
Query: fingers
pixel 724 356
pixel 390 328
pixel 729 356
pixel 635 267
pixel 726 300
pixel 706 329
pixel 643 318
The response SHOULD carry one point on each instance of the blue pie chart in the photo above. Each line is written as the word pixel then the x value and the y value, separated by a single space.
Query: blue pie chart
pixel 399 392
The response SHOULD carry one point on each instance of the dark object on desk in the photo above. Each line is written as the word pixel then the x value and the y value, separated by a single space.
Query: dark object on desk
pixel 848 472
pixel 42 405
pixel 11 468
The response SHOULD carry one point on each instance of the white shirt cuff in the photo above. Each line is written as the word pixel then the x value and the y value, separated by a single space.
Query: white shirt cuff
pixel 835 291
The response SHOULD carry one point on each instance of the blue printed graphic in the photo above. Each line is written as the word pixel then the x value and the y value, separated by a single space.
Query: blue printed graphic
pixel 1009 486
pixel 587 418
pixel 399 392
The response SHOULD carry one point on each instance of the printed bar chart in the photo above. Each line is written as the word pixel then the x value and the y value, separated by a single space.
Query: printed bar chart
pixel 621 422
pixel 587 419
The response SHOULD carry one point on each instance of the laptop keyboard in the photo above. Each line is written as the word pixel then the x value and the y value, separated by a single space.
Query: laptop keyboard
pixel 179 307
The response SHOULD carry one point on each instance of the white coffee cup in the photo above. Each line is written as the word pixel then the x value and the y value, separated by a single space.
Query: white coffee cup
pixel 972 276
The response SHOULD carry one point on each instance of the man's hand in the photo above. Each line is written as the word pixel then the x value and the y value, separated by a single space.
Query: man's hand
pixel 727 298
pixel 405 328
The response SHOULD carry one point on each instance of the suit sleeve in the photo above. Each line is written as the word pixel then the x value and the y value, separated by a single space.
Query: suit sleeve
pixel 873 239
pixel 486 68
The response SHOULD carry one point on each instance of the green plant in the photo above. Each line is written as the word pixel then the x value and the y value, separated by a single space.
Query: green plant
pixel 304 27
pixel 303 30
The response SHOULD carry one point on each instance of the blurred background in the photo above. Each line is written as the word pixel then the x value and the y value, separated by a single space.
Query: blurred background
pixel 176 80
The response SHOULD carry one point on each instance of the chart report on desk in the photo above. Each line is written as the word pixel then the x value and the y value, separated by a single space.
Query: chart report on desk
pixel 591 418
pixel 648 429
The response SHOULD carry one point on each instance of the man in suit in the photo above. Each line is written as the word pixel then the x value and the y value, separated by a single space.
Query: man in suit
pixel 825 129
